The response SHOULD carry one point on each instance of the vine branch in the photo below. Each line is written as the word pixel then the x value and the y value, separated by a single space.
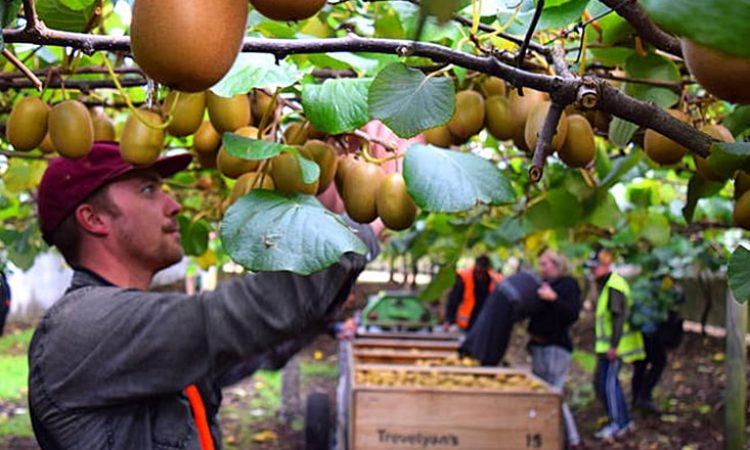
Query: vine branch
pixel 544 140
pixel 646 29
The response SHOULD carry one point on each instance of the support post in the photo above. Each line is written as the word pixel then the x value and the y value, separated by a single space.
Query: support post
pixel 736 390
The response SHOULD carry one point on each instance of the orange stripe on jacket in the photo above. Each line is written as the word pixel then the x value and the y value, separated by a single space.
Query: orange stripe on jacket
pixel 466 308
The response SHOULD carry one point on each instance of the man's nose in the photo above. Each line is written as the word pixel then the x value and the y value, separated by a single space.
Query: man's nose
pixel 171 206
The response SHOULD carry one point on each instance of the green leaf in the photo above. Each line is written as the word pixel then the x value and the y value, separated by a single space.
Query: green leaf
pixel 9 12
pixel 258 71
pixel 194 235
pixel 408 102
pixel 265 231
pixel 698 188
pixel 721 24
pixel 739 274
pixel 559 208
pixel 726 158
pixel 621 132
pixel 652 226
pixel 57 15
pixel 448 181
pixel 440 283
pixel 652 67
pixel 606 214
pixel 556 14
pixel 621 167
pixel 738 121
pixel 338 105
pixel 248 148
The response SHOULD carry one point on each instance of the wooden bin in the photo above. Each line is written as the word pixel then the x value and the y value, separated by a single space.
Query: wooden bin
pixel 404 417
pixel 443 345
pixel 368 355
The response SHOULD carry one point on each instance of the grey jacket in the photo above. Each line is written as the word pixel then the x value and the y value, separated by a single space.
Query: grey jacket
pixel 108 365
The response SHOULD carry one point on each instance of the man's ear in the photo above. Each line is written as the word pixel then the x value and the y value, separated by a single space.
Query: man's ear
pixel 91 220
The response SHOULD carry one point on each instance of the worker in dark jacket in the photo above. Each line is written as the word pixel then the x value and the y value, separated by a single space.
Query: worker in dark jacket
pixel 550 343
pixel 469 293
pixel 115 366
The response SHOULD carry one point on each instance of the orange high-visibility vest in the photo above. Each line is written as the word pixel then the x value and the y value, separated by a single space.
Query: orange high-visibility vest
pixel 463 315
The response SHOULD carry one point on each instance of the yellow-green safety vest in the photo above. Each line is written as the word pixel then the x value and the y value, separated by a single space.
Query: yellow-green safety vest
pixel 630 347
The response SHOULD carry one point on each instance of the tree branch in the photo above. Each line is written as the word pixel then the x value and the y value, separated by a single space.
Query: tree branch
pixel 646 29
pixel 544 140
pixel 84 86
pixel 29 13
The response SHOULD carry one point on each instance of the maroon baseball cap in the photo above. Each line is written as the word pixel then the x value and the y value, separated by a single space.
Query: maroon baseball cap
pixel 69 182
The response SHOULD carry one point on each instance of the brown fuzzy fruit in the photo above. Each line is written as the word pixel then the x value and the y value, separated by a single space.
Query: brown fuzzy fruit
pixel 725 76
pixel 247 182
pixel 468 118
pixel 439 136
pixel 395 206
pixel 741 183
pixel 232 166
pixel 361 185
pixel 520 107
pixel 579 147
pixel 346 162
pixel 661 149
pixel 47 146
pixel 27 124
pixel 296 133
pixel 718 132
pixel 741 215
pixel 326 158
pixel 285 10
pixel 71 129
pixel 206 139
pixel 263 103
pixel 104 127
pixel 498 118
pixel 141 144
pixel 188 45
pixel 228 113
pixel 535 122
pixel 287 175
pixel 188 112
pixel 492 86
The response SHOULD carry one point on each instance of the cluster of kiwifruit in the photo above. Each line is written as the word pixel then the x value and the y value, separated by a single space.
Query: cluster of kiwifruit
pixel 453 360
pixel 508 115
pixel 68 128
pixel 447 380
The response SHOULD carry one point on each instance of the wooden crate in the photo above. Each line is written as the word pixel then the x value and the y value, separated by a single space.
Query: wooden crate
pixel 380 355
pixel 403 417
pixel 444 345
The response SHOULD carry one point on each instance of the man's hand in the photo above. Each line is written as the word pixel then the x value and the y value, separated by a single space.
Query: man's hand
pixel 612 354
pixel 546 293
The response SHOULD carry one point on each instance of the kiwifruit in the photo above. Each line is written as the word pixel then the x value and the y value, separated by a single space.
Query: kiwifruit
pixel 314 133
pixel 661 149
pixel 27 124
pixel 71 129
pixel 723 75
pixel 207 160
pixel 520 107
pixel 232 166
pixel 535 122
pixel 741 183
pixel 520 141
pixel 228 113
pixel 262 103
pixel 287 175
pixel 346 162
pixel 104 127
pixel 296 133
pixel 492 86
pixel 188 45
pixel 468 118
pixel 188 112
pixel 360 187
pixel 718 132
pixel 285 10
pixel 741 215
pixel 439 136
pixel 498 119
pixel 579 147
pixel 246 183
pixel 141 144
pixel 325 157
pixel 395 206
pixel 206 139
pixel 47 146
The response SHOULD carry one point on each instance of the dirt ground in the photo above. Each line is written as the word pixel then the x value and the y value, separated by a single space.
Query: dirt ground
pixel 690 396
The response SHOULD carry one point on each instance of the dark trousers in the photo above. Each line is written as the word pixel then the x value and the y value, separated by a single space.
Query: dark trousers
pixel 488 338
pixel 4 310
pixel 608 390
pixel 646 372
